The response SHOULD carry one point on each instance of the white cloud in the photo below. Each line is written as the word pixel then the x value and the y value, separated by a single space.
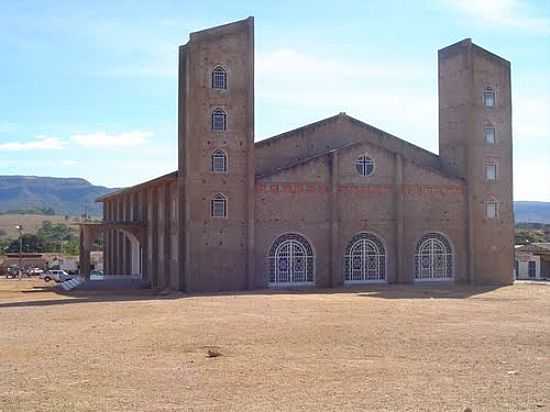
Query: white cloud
pixel 117 140
pixel 511 13
pixel 39 143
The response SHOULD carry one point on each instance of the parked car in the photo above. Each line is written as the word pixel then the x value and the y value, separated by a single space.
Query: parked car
pixel 35 272
pixel 13 272
pixel 55 275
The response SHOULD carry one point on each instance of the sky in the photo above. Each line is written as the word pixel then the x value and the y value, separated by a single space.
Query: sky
pixel 89 89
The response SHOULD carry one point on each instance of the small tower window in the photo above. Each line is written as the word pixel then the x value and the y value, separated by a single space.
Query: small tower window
pixel 219 120
pixel 491 170
pixel 364 165
pixel 489 97
pixel 490 135
pixel 218 206
pixel 491 209
pixel 219 162
pixel 219 78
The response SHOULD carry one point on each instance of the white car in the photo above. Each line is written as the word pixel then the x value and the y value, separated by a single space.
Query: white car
pixel 55 275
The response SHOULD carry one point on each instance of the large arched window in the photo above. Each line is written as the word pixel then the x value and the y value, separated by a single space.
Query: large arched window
pixel 290 261
pixel 434 258
pixel 365 259
pixel 218 206
pixel 219 120
pixel 218 161
pixel 364 165
pixel 219 78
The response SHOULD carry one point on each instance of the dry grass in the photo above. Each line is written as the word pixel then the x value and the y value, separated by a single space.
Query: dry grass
pixel 393 348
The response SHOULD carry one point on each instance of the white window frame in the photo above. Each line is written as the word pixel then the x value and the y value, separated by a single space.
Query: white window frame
pixel 218 115
pixel 489 164
pixel 362 164
pixel 489 92
pixel 217 200
pixel 282 252
pixel 219 154
pixel 491 203
pixel 486 135
pixel 430 241
pixel 219 78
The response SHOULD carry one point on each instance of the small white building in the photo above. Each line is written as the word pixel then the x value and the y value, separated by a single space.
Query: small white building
pixel 531 261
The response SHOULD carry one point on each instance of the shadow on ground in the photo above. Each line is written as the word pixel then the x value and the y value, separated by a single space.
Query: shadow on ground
pixel 447 291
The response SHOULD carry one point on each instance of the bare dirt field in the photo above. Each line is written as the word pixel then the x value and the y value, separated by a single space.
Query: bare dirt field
pixel 386 348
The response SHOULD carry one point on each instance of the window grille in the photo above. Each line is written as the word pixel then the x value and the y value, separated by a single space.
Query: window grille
pixel 364 165
pixel 218 206
pixel 219 78
pixel 219 162
pixel 365 259
pixel 290 261
pixel 434 258
pixel 219 120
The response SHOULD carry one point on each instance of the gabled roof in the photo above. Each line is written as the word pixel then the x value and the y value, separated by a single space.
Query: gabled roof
pixel 377 137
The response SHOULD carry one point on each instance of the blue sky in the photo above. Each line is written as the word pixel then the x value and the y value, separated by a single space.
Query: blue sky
pixel 89 88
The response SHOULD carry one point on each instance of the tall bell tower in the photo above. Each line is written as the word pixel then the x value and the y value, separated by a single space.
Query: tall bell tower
pixel 475 142
pixel 216 168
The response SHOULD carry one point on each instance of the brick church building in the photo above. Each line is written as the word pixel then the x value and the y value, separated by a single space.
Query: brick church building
pixel 333 203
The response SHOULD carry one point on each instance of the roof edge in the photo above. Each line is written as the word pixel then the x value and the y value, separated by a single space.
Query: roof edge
pixel 137 187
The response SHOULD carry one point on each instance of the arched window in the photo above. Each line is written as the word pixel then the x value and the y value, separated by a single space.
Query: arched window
pixel 489 97
pixel 491 208
pixel 490 134
pixel 491 169
pixel 290 261
pixel 434 258
pixel 218 206
pixel 219 120
pixel 218 162
pixel 365 259
pixel 364 165
pixel 219 78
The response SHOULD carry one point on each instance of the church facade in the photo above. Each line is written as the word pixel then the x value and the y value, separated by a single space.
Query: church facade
pixel 334 203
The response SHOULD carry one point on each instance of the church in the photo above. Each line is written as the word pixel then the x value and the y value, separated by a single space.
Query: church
pixel 334 203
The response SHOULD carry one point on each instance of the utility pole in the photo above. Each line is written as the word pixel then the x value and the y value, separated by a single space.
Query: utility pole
pixel 20 271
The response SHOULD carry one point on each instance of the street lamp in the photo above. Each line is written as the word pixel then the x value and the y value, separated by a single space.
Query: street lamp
pixel 20 272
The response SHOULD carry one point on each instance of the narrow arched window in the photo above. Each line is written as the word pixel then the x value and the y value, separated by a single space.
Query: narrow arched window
pixel 490 134
pixel 218 162
pixel 364 165
pixel 219 120
pixel 491 209
pixel 491 169
pixel 218 206
pixel 219 78
pixel 489 97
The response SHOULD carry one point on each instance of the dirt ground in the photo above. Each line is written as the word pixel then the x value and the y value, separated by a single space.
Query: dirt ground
pixel 385 348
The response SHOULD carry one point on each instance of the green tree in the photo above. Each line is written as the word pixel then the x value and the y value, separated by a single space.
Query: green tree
pixel 31 244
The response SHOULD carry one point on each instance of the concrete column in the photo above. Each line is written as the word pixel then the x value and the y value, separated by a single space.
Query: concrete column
pixel 335 266
pixel 154 237
pixel 400 268
pixel 85 248
pixel 146 268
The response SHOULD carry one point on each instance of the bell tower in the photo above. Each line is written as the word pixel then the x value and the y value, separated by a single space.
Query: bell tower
pixel 475 142
pixel 216 168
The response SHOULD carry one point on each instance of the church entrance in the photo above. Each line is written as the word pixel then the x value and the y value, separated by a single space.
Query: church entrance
pixel 290 261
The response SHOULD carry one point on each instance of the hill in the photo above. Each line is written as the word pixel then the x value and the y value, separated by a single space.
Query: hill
pixel 66 196
pixel 532 212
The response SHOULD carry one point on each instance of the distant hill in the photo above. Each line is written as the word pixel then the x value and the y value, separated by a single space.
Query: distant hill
pixel 532 212
pixel 66 196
